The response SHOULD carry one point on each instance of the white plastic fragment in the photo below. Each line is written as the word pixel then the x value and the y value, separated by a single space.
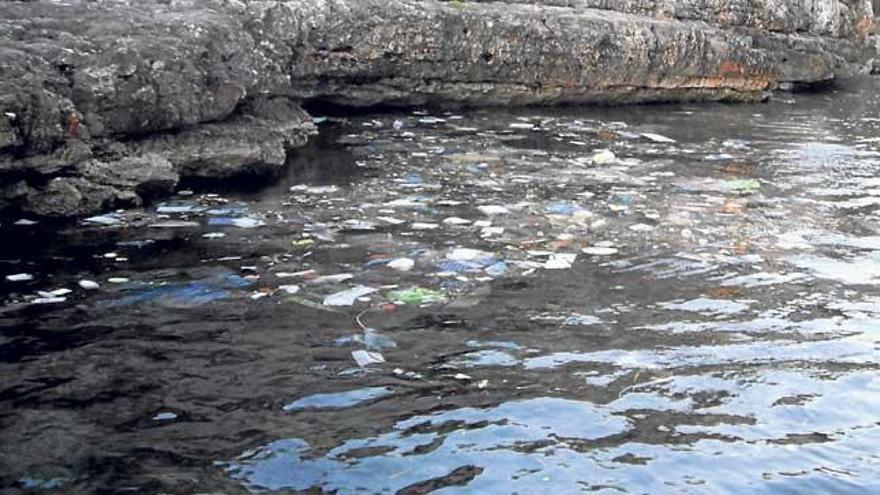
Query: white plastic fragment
pixel 314 189
pixel 456 221
pixel 48 294
pixel 174 224
pixel 560 261
pixel 402 264
pixel 348 297
pixel 491 210
pixel 423 226
pixel 641 227
pixel 657 138
pixel 20 277
pixel 366 358
pixel 89 285
pixel 49 300
pixel 290 289
pixel 247 223
pixel 391 220
pixel 335 278
pixel 599 251
pixel 603 157
pixel 175 209
pixel 118 280
pixel 466 254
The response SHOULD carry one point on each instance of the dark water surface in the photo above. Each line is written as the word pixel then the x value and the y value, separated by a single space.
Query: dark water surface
pixel 696 316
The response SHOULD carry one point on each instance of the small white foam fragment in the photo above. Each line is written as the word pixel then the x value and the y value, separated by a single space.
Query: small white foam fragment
pixel 657 138
pixel 391 220
pixel 335 278
pixel 521 125
pixel 599 251
pixel 602 157
pixel 462 376
pixel 402 264
pixel 423 226
pixel 348 296
pixel 214 235
pixel 49 300
pixel 20 277
pixel 294 274
pixel 103 220
pixel 174 224
pixel 537 253
pixel 290 289
pixel 24 222
pixel 560 261
pixel 165 416
pixel 491 210
pixel 467 254
pixel 48 294
pixel 641 227
pixel 456 221
pixel 118 280
pixel 176 209
pixel 366 358
pixel 89 284
pixel 247 223
pixel 358 225
pixel 304 188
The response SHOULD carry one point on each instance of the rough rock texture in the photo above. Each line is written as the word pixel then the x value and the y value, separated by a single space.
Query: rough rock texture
pixel 92 92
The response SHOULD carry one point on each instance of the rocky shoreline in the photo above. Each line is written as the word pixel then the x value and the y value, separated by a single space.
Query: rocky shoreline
pixel 105 104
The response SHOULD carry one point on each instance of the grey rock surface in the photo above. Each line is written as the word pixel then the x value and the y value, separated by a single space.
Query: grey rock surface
pixel 214 87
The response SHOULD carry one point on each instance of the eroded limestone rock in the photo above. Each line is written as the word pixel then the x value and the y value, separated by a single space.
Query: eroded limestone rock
pixel 213 87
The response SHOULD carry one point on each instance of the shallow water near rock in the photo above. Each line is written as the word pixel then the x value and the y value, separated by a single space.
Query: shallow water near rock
pixel 694 312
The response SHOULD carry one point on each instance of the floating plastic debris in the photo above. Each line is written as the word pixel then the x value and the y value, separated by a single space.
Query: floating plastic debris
pixel 560 261
pixel 365 358
pixel 603 157
pixel 104 220
pixel 175 224
pixel 417 295
pixel 349 296
pixel 657 138
pixel 492 210
pixel 599 251
pixel 402 264
pixel 240 222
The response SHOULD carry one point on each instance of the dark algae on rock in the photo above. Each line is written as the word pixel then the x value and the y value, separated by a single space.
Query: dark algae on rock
pixel 106 104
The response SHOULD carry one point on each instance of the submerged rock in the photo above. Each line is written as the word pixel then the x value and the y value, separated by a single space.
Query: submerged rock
pixel 89 92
